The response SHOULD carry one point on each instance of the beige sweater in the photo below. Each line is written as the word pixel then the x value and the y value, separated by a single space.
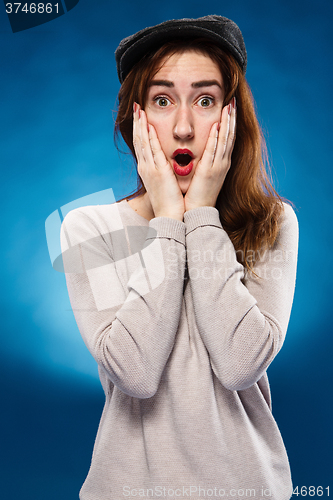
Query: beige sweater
pixel 182 361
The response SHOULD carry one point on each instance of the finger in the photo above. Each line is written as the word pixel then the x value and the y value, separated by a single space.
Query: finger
pixel 223 133
pixel 145 142
pixel 156 149
pixel 232 129
pixel 208 156
pixel 136 133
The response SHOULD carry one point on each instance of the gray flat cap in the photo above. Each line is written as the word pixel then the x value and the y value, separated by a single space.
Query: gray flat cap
pixel 224 32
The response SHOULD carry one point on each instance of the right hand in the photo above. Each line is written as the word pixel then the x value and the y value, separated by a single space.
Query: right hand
pixel 155 171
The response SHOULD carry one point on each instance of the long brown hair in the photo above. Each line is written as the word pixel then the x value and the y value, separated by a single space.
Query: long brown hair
pixel 248 205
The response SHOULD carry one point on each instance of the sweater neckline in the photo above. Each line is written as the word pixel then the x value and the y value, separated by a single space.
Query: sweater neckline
pixel 142 220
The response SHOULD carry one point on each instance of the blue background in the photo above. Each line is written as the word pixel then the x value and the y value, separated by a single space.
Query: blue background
pixel 58 97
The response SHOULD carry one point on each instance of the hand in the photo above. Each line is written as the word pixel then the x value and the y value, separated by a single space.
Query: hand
pixel 155 171
pixel 213 167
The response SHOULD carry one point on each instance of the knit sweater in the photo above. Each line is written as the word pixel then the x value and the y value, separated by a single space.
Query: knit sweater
pixel 183 337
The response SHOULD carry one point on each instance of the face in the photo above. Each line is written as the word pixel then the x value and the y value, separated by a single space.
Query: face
pixel 185 99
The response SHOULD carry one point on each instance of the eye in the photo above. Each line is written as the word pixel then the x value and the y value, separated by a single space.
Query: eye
pixel 205 102
pixel 162 102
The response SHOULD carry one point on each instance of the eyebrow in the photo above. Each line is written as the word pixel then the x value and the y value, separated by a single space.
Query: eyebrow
pixel 195 85
pixel 161 83
pixel 205 83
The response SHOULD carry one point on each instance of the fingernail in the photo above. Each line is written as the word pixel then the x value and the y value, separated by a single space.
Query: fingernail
pixel 234 102
pixel 134 107
pixel 229 109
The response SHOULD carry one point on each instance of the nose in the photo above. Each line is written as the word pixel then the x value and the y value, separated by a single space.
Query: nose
pixel 184 126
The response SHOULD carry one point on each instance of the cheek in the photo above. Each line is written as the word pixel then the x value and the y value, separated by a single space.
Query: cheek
pixel 162 130
pixel 202 131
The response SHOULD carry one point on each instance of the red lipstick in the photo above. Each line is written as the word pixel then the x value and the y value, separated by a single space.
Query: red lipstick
pixel 182 161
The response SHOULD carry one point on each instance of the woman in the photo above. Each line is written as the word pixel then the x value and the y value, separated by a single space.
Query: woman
pixel 183 292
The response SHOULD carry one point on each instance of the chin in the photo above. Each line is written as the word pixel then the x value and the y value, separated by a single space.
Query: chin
pixel 184 185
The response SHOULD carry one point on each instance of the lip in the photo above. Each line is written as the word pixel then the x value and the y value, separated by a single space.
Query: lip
pixel 183 152
pixel 182 171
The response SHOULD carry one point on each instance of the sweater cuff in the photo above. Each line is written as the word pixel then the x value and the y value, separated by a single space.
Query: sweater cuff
pixel 201 216
pixel 167 228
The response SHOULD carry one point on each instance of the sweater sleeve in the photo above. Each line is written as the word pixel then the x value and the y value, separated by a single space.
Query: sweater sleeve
pixel 242 319
pixel 129 329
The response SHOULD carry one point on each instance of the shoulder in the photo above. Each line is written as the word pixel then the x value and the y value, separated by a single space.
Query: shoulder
pixel 288 234
pixel 283 253
pixel 289 222
pixel 92 220
pixel 289 216
pixel 87 231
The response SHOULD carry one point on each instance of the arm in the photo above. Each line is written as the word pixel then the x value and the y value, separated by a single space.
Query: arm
pixel 242 320
pixel 130 333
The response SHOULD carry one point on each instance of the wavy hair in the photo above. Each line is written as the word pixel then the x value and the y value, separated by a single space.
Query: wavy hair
pixel 249 207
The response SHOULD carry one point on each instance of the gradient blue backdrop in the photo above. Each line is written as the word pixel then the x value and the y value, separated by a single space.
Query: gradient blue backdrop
pixel 58 92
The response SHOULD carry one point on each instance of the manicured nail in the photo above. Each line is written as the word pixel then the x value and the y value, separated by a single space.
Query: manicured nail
pixel 234 102
pixel 229 109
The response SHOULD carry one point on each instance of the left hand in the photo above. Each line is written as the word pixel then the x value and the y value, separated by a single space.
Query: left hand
pixel 213 167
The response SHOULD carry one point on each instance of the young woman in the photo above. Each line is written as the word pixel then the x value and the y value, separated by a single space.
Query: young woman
pixel 183 292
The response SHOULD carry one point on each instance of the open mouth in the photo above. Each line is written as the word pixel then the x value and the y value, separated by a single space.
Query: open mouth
pixel 183 159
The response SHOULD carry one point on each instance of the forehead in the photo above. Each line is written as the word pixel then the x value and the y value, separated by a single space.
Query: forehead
pixel 191 64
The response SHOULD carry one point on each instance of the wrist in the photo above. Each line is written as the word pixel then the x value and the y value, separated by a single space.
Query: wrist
pixel 199 205
pixel 179 217
pixel 196 202
pixel 202 216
